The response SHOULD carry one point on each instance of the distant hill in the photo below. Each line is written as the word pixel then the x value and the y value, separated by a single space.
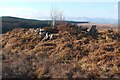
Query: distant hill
pixel 96 20
pixel 9 23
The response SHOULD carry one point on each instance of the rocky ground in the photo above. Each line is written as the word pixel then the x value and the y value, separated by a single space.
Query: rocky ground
pixel 70 54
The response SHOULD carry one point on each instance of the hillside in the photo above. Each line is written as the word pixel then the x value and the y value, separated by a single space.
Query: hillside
pixel 9 23
pixel 70 54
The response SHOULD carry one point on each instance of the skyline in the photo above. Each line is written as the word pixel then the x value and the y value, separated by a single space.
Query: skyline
pixel 71 10
pixel 59 0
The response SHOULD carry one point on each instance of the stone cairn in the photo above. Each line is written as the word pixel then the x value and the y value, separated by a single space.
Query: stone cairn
pixel 43 34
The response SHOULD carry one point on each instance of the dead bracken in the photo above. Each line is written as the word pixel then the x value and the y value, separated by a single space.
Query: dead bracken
pixel 71 53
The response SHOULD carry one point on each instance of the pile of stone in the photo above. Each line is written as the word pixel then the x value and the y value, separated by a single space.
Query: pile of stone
pixel 43 34
pixel 48 35
pixel 92 31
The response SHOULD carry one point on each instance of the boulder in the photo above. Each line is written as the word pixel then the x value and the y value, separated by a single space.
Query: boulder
pixel 93 30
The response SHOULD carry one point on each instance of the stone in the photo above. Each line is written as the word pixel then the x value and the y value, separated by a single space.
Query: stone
pixel 110 30
pixel 93 30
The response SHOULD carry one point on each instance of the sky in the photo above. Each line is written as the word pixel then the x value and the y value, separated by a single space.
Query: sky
pixel 37 9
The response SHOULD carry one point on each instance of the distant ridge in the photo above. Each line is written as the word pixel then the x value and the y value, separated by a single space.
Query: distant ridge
pixel 10 22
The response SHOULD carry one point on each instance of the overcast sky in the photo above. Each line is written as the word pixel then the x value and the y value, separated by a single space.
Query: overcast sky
pixel 38 9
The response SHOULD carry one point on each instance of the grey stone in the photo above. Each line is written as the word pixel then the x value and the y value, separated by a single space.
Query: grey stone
pixel 93 30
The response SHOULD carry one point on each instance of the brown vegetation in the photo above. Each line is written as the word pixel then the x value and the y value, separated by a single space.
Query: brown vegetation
pixel 69 55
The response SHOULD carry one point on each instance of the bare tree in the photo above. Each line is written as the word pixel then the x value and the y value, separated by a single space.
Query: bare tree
pixel 56 15
pixel 61 18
